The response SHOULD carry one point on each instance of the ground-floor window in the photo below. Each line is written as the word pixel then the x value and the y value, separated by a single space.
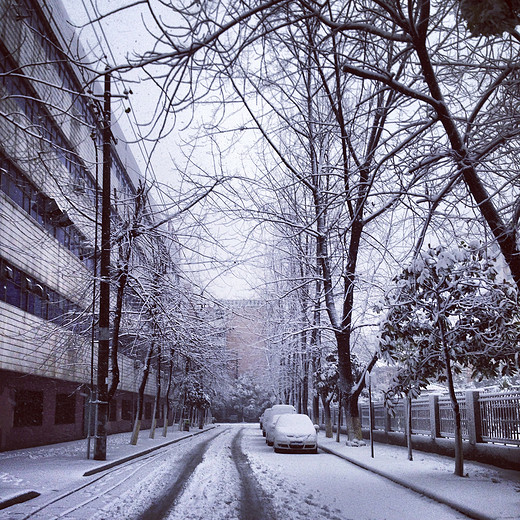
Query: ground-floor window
pixel 126 410
pixel 112 410
pixel 28 408
pixel 65 409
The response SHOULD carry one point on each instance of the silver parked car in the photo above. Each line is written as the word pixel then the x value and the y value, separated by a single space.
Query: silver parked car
pixel 295 432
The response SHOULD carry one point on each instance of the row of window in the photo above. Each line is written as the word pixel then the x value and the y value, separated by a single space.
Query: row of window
pixel 128 410
pixel 28 409
pixel 46 40
pixel 44 210
pixel 43 124
pixel 29 13
pixel 23 291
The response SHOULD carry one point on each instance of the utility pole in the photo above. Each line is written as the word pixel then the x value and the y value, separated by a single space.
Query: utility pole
pixel 100 447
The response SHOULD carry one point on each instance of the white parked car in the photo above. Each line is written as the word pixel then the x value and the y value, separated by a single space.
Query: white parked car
pixel 268 424
pixel 295 432
pixel 262 418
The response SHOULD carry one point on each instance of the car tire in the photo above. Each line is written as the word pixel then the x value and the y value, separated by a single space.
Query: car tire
pixel 270 443
pixel 315 451
pixel 263 434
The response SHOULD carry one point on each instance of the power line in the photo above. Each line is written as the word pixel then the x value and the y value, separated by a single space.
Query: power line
pixel 92 22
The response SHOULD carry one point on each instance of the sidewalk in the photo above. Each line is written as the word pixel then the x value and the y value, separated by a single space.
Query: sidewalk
pixel 31 472
pixel 485 493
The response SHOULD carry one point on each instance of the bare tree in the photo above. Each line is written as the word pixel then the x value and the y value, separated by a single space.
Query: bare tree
pixel 408 105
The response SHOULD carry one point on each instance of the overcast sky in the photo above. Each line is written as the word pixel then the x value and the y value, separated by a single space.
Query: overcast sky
pixel 124 35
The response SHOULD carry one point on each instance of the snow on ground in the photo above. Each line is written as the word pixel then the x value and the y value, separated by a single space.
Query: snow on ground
pixel 492 491
pixel 213 491
pixel 326 487
pixel 212 486
pixel 298 486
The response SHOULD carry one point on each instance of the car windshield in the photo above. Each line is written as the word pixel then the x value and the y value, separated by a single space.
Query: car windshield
pixel 295 421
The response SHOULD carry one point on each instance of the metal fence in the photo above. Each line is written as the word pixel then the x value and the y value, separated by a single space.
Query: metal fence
pixel 485 417
pixel 500 417
pixel 447 417
pixel 420 417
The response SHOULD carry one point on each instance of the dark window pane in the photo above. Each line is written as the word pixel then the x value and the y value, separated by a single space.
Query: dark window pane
pixel 65 409
pixel 39 308
pixel 126 410
pixel 112 410
pixel 28 408
pixel 60 235
pixel 28 302
pixel 13 293
pixel 16 194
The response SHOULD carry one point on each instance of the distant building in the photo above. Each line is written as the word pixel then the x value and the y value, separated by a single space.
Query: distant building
pixel 245 336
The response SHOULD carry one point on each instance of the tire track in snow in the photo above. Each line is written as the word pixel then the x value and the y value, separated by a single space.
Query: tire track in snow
pixel 253 504
pixel 189 463
pixel 213 490
pixel 223 486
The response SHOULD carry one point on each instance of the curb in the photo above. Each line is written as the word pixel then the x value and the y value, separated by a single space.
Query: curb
pixel 18 499
pixel 118 462
pixel 29 495
pixel 471 513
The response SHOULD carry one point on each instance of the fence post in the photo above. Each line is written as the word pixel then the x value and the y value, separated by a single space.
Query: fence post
pixel 387 419
pixel 473 416
pixel 434 416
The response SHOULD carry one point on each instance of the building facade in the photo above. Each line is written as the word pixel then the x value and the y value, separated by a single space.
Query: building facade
pixel 246 342
pixel 50 148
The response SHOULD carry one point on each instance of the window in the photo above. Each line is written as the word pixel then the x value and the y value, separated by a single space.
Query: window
pixel 65 412
pixel 112 410
pixel 13 286
pixel 28 408
pixel 16 192
pixel 148 411
pixel 26 293
pixel 127 410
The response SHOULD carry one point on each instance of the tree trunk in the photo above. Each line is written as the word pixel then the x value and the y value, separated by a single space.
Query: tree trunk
pixel 459 454
pixel 327 417
pixel 305 384
pixel 118 313
pixel 354 431
pixel 338 430
pixel 154 419
pixel 408 424
pixel 166 410
pixel 316 409
pixel 182 412
pixel 140 396
pixel 157 402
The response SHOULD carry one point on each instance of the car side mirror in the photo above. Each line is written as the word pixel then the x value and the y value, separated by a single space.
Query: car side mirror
pixel 317 427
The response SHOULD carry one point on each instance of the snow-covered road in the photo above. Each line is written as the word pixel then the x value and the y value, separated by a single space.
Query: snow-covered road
pixel 230 473
pixel 326 487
